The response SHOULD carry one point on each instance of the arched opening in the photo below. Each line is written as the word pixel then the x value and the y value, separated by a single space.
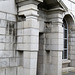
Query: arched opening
pixel 65 51
pixel 67 26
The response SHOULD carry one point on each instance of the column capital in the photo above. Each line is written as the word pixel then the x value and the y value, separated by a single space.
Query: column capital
pixel 29 10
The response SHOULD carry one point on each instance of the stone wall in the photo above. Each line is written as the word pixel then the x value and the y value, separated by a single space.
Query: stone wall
pixel 8 60
pixel 38 40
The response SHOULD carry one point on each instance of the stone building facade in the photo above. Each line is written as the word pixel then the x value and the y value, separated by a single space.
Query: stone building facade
pixel 37 37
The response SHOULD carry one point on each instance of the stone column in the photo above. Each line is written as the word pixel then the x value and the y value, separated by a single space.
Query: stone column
pixel 29 37
pixel 54 43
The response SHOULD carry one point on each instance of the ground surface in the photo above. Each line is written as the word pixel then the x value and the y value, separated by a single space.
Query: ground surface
pixel 69 73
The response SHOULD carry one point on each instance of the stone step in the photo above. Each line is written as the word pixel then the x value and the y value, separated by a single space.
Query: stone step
pixel 67 69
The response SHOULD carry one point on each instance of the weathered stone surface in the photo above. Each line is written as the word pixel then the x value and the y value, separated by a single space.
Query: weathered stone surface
pixel 2 15
pixel 11 71
pixel 20 71
pixel 38 39
pixel 4 62
pixel 2 71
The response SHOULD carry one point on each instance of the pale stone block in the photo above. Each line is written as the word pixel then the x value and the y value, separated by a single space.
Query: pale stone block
pixel 2 15
pixel 20 25
pixel 30 55
pixel 7 38
pixel 34 55
pixel 31 47
pixel 28 7
pixel 28 47
pixel 33 63
pixel 72 52
pixel 2 30
pixel 2 71
pixel 56 53
pixel 60 35
pixel 48 41
pixel 4 62
pixel 31 24
pixel 32 71
pixel 72 57
pixel 10 71
pixel 56 60
pixel 29 39
pixel 20 46
pixel 2 38
pixel 6 54
pixel 12 62
pixel 73 6
pixel 27 71
pixel 19 39
pixel 54 35
pixel 20 71
pixel 72 43
pixel 30 63
pixel 20 32
pixel 31 31
pixel 54 47
pixel 29 12
pixel 26 63
pixel 54 15
pixel 56 28
pixel 2 45
pixel 19 61
pixel 53 69
pixel 9 46
pixel 54 41
pixel 3 23
pixel 26 55
pixel 73 39
pixel 59 20
pixel 11 39
pixel 60 41
pixel 72 47
pixel 57 41
pixel 68 4
pixel 11 17
pixel 72 35
pixel 73 63
pixel 61 47
pixel 42 26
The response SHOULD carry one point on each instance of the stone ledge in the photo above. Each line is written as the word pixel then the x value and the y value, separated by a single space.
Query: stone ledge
pixel 65 61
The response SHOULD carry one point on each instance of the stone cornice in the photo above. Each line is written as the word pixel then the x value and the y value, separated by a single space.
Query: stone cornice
pixel 51 4
pixel 26 2
pixel 19 1
pixel 72 1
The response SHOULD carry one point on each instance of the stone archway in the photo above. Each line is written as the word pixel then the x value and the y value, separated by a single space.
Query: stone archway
pixel 70 38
